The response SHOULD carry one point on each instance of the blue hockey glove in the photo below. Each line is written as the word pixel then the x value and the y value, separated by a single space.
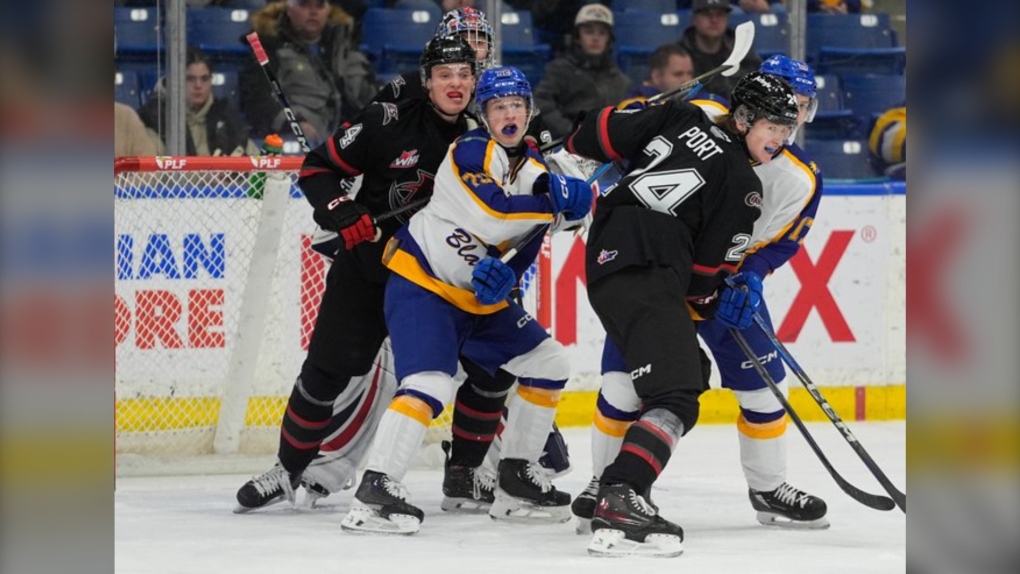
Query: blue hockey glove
pixel 570 196
pixel 739 300
pixel 492 280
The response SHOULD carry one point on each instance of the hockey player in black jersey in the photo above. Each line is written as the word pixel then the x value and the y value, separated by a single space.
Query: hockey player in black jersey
pixel 662 241
pixel 397 149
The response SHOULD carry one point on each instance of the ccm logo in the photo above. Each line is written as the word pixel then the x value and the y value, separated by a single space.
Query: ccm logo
pixel 524 320
pixel 763 360
pixel 645 370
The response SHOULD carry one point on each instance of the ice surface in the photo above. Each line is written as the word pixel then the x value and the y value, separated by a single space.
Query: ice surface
pixel 185 524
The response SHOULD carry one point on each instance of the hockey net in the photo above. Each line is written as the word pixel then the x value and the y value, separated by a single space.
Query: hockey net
pixel 217 291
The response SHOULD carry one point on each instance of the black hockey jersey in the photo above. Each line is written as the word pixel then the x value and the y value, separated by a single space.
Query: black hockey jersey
pixel 397 147
pixel 688 201
pixel 408 85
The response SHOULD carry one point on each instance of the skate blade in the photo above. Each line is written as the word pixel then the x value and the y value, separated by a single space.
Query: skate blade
pixel 612 543
pixel 364 520
pixel 780 521
pixel 241 509
pixel 464 505
pixel 509 509
pixel 583 525
pixel 311 498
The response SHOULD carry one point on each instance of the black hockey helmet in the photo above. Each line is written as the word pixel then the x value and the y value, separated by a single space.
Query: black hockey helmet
pixel 764 96
pixel 446 50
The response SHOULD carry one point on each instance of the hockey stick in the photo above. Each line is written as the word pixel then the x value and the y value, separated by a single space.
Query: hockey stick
pixel 875 501
pixel 744 37
pixel 899 497
pixel 263 60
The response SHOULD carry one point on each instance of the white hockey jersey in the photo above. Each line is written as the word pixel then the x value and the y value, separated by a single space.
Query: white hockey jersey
pixel 480 208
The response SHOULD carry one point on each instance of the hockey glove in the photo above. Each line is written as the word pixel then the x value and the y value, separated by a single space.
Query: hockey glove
pixel 570 196
pixel 492 280
pixel 739 300
pixel 349 218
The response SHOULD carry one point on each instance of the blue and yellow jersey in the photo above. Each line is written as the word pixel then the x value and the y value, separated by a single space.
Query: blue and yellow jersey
pixel 480 207
pixel 888 140
pixel 792 188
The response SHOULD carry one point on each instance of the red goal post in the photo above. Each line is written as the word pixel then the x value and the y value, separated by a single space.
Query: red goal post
pixel 217 289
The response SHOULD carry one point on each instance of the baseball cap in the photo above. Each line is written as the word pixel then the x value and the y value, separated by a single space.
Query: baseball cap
pixel 594 13
pixel 699 5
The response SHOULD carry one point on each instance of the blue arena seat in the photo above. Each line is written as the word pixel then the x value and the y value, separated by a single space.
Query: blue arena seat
pixel 832 120
pixel 841 158
pixel 219 31
pixel 870 94
pixel 433 8
pixel 393 39
pixel 645 5
pixel 638 33
pixel 770 34
pixel 853 43
pixel 125 88
pixel 137 33
pixel 521 47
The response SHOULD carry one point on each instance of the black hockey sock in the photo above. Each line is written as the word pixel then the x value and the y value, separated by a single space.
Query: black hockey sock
pixel 476 414
pixel 306 423
pixel 646 450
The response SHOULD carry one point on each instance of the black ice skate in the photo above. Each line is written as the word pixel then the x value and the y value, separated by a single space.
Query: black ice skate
pixel 627 524
pixel 524 493
pixel 583 506
pixel 272 486
pixel 789 507
pixel 381 506
pixel 466 489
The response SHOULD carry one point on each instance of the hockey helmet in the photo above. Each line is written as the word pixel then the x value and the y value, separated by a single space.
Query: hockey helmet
pixel 446 50
pixel 799 75
pixel 503 82
pixel 470 22
pixel 763 96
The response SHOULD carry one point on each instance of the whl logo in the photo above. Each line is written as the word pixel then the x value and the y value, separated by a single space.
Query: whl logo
pixel 167 162
pixel 406 159
pixel 606 256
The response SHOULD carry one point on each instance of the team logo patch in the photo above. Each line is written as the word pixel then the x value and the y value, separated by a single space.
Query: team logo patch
pixel 389 113
pixel 351 133
pixel 407 191
pixel 605 256
pixel 396 84
pixel 719 134
pixel 406 159
pixel 753 199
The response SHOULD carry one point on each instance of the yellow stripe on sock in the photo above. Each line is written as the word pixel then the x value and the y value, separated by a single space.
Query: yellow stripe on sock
pixel 412 407
pixel 612 427
pixel 541 397
pixel 772 429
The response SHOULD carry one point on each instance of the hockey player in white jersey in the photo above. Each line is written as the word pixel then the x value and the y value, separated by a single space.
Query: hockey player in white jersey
pixel 792 188
pixel 448 296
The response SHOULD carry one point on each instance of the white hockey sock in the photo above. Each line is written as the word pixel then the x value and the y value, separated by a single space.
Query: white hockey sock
pixel 399 436
pixel 762 444
pixel 608 429
pixel 529 420
pixel 604 448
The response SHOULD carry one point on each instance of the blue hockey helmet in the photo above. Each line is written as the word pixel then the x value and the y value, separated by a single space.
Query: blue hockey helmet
pixel 502 82
pixel 797 73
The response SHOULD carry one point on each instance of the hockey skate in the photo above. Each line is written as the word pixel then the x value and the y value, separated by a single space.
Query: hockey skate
pixel 465 489
pixel 524 493
pixel 381 506
pixel 626 524
pixel 583 506
pixel 270 487
pixel 789 507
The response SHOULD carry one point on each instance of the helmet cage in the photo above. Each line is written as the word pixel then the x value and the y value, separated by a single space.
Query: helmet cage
pixel 472 25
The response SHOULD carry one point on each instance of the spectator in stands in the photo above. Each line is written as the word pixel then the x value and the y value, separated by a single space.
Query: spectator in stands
pixel 759 6
pixel 709 39
pixel 834 6
pixel 130 138
pixel 670 65
pixel 311 48
pixel 888 143
pixel 586 78
pixel 214 126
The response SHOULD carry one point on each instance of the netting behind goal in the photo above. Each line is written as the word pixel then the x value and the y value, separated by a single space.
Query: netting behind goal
pixel 217 290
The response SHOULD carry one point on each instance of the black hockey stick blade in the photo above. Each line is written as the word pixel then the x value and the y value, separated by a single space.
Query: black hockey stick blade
pixel 876 501
pixel 899 497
